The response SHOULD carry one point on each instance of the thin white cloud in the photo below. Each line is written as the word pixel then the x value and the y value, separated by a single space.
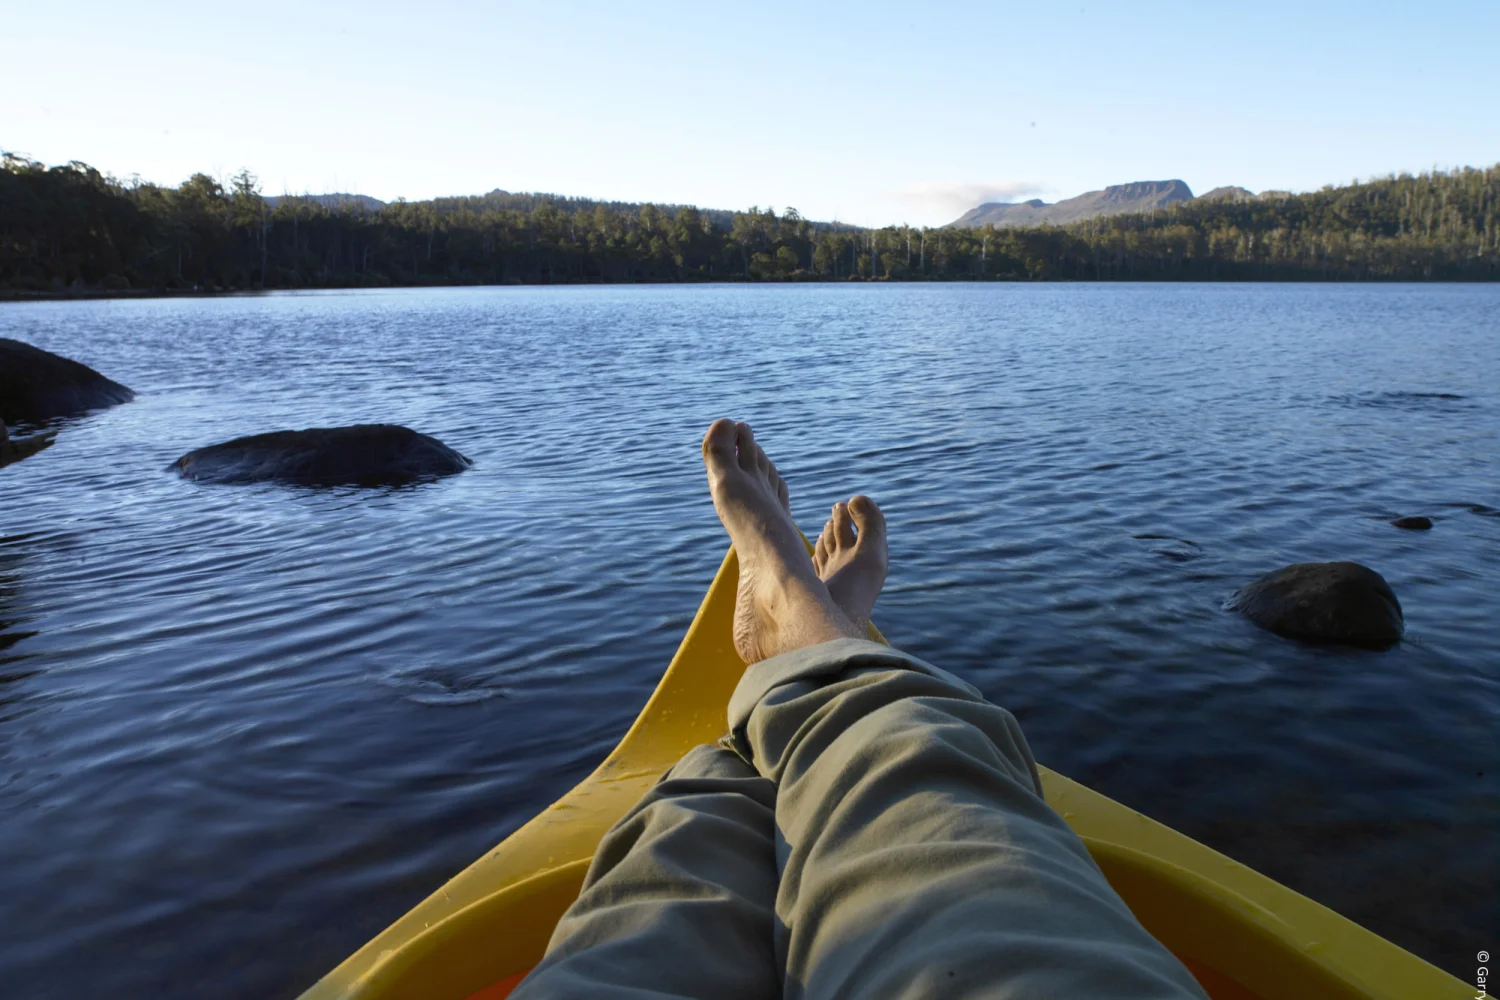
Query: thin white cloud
pixel 950 199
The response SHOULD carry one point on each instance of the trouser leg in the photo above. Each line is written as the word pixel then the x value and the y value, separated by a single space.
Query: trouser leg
pixel 679 900
pixel 917 857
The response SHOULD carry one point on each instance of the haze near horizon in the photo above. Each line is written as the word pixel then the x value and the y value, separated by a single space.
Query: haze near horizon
pixel 871 115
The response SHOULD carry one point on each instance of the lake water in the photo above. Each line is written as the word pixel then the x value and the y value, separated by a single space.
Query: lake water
pixel 244 728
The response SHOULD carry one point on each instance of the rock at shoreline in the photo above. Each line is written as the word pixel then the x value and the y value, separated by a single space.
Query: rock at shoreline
pixel 37 385
pixel 1340 602
pixel 1417 523
pixel 362 455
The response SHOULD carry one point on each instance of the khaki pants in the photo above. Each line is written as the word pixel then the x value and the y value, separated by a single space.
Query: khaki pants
pixel 870 827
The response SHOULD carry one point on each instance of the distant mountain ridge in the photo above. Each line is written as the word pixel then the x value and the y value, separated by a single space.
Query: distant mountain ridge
pixel 1117 199
pixel 1228 193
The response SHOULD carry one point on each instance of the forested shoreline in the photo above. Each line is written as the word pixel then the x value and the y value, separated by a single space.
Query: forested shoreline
pixel 71 230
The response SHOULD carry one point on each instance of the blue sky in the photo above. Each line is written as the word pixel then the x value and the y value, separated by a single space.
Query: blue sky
pixel 870 113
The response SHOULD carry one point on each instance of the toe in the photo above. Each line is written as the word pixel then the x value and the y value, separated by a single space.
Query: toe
pixel 782 493
pixel 750 453
pixel 868 517
pixel 843 525
pixel 820 551
pixel 718 445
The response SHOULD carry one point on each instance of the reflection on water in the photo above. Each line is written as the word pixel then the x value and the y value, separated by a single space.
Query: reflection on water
pixel 242 729
pixel 13 668
pixel 13 449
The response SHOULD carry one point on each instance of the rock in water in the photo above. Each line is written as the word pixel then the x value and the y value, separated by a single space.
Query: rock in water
pixel 36 385
pixel 362 455
pixel 1341 602
pixel 1415 523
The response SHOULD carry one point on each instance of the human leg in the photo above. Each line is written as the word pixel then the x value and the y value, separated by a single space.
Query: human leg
pixel 679 899
pixel 917 856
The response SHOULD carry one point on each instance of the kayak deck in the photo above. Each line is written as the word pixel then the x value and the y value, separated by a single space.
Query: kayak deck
pixel 1242 934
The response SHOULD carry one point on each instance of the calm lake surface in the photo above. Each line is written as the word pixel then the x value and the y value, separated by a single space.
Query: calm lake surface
pixel 244 728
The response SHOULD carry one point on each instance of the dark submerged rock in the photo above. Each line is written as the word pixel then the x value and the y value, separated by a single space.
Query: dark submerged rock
pixel 37 385
pixel 1341 602
pixel 1416 523
pixel 362 455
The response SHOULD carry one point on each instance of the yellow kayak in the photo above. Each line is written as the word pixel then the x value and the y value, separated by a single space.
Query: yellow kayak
pixel 1241 934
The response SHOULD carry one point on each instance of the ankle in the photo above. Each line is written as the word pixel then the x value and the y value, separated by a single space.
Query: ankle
pixel 807 621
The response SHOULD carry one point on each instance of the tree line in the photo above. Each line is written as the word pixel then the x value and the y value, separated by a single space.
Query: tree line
pixel 71 228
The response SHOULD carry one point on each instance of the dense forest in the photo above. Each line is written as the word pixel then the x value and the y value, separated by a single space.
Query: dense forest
pixel 70 229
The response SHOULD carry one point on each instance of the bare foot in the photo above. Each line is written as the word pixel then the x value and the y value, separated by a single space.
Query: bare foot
pixel 781 604
pixel 850 557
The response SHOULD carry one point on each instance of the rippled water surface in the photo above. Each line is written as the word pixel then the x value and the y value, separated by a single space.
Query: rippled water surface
pixel 243 729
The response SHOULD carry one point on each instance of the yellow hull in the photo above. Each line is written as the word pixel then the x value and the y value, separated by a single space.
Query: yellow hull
pixel 1242 934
